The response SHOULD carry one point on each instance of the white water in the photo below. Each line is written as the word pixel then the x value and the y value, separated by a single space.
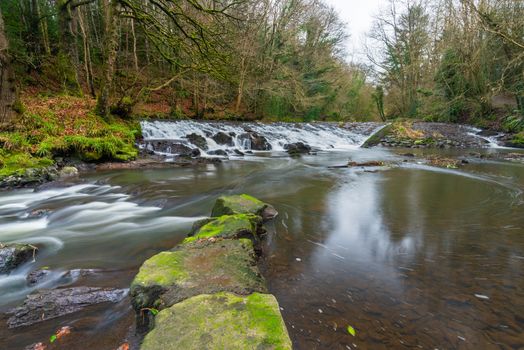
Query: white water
pixel 321 136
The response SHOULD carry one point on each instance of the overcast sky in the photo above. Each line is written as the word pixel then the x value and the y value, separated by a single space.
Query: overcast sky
pixel 358 14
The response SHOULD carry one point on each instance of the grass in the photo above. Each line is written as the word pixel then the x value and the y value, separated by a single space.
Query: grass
pixel 64 126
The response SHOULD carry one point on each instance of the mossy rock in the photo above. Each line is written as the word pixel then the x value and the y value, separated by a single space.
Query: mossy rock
pixel 243 204
pixel 220 321
pixel 375 139
pixel 196 268
pixel 227 226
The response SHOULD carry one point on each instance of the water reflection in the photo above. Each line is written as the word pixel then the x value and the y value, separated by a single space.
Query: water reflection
pixel 410 258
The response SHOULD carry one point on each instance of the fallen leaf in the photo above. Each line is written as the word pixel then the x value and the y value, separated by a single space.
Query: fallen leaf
pixel 124 346
pixel 63 332
pixel 352 331
pixel 52 338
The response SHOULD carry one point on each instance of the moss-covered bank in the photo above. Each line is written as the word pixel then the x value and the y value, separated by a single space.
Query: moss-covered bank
pixel 63 126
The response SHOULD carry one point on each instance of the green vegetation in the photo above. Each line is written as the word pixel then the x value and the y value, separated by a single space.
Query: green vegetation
pixel 64 127
pixel 227 226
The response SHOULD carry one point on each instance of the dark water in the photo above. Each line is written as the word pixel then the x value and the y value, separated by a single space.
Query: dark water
pixel 412 257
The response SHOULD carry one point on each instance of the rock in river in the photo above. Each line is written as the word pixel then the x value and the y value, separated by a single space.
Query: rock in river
pixel 196 268
pixel 13 255
pixel 223 139
pixel 220 321
pixel 297 148
pixel 256 142
pixel 48 304
pixel 198 140
pixel 243 204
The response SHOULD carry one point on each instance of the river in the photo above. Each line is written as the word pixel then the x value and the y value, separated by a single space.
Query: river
pixel 410 256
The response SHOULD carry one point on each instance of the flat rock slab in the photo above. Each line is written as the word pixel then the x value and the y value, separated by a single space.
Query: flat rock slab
pixel 226 226
pixel 220 321
pixel 48 304
pixel 198 268
pixel 14 255
pixel 243 204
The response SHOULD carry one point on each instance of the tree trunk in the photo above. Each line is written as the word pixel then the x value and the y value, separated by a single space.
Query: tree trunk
pixel 8 93
pixel 108 8
pixel 67 49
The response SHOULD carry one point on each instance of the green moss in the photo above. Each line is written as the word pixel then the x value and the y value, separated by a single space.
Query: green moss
pixel 518 140
pixel 220 321
pixel 18 163
pixel 226 226
pixel 163 269
pixel 198 268
pixel 238 204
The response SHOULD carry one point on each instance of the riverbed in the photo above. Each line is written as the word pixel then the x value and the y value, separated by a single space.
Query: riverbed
pixel 409 255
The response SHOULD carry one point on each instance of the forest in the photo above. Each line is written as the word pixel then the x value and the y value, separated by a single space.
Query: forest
pixel 68 66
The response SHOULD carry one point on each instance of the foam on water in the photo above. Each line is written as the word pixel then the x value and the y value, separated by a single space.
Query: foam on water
pixel 322 136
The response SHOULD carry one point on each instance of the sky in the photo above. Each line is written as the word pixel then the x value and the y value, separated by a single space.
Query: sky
pixel 358 14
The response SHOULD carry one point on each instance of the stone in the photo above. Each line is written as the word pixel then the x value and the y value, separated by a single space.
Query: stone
pixel 198 140
pixel 68 171
pixel 15 254
pixel 227 226
pixel 198 268
pixel 255 141
pixel 48 304
pixel 297 148
pixel 218 152
pixel 220 321
pixel 172 147
pixel 223 139
pixel 243 204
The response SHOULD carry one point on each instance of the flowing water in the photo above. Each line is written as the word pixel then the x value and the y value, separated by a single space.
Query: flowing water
pixel 410 256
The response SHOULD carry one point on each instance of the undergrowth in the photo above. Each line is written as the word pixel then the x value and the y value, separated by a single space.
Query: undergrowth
pixel 64 126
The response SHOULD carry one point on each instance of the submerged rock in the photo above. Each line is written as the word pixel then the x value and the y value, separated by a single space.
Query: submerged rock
pixel 243 204
pixel 48 304
pixel 192 269
pixel 223 139
pixel 198 140
pixel 218 152
pixel 15 254
pixel 297 148
pixel 220 321
pixel 227 226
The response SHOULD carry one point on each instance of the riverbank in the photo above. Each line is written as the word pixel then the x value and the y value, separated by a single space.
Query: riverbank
pixel 59 136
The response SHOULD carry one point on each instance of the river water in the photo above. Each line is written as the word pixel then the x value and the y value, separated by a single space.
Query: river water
pixel 410 256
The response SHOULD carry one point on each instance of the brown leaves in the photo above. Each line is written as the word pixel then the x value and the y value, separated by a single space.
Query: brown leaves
pixel 124 346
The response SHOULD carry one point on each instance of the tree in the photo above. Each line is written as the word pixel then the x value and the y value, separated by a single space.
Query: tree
pixel 8 93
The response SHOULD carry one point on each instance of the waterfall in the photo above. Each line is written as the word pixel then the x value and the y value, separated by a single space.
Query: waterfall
pixel 230 137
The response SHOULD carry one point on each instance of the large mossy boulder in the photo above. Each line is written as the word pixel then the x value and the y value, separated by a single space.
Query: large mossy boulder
pixel 14 255
pixel 191 269
pixel 243 204
pixel 220 321
pixel 227 226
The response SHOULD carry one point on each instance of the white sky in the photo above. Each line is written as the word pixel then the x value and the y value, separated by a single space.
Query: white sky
pixel 358 14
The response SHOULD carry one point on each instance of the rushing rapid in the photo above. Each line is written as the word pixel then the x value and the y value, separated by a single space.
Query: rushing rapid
pixel 321 136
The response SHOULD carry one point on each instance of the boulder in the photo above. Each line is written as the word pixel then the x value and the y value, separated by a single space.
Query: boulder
pixel 227 226
pixel 173 147
pixel 68 171
pixel 198 140
pixel 48 304
pixel 297 148
pixel 220 321
pixel 15 254
pixel 192 269
pixel 223 139
pixel 243 204
pixel 255 141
